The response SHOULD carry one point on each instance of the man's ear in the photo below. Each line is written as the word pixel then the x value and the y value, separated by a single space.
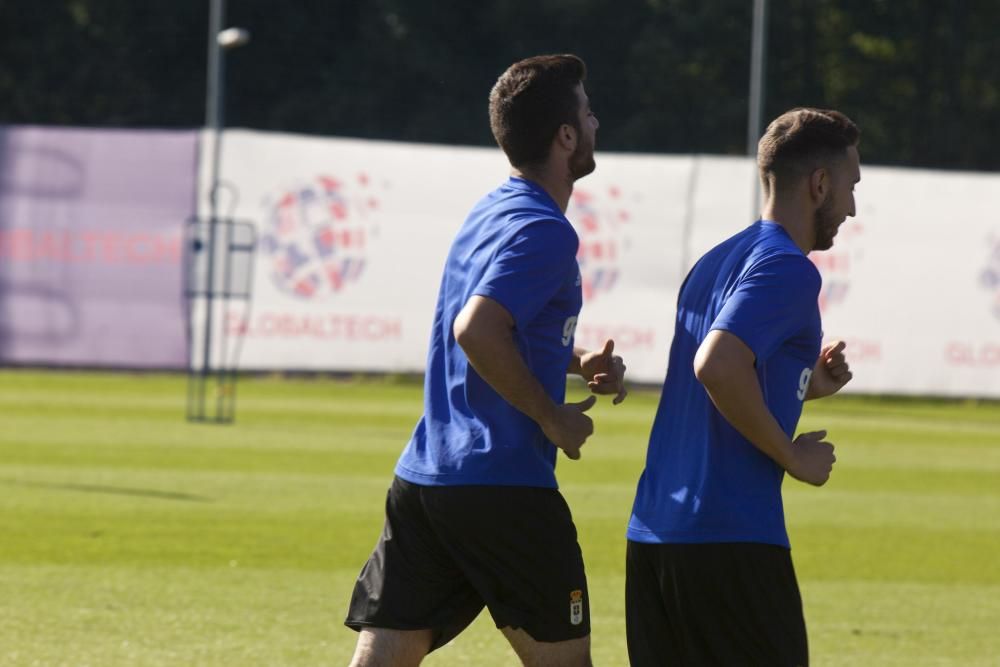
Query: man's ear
pixel 819 184
pixel 566 137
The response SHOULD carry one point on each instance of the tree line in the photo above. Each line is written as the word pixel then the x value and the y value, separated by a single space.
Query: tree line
pixel 665 76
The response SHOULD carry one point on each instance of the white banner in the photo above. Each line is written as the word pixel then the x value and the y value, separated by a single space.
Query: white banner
pixel 352 237
pixel 913 283
pixel 353 234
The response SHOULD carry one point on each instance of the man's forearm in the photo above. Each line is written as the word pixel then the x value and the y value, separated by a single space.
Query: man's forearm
pixel 496 359
pixel 727 373
pixel 741 402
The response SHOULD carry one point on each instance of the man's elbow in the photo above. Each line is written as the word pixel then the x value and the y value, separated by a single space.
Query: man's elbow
pixel 708 368
pixel 722 358
pixel 463 331
pixel 481 326
pixel 471 333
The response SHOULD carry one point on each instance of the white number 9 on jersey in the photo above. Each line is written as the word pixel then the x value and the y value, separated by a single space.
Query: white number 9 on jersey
pixel 804 383
pixel 569 328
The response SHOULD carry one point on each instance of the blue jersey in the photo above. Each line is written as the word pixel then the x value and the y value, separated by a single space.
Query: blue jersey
pixel 703 481
pixel 517 248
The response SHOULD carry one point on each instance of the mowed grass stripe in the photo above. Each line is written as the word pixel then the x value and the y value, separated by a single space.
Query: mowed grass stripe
pixel 110 616
pixel 133 538
pixel 93 453
pixel 894 624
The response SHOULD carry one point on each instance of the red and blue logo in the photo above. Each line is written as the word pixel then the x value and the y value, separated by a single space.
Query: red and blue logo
pixel 316 235
pixel 601 219
pixel 835 265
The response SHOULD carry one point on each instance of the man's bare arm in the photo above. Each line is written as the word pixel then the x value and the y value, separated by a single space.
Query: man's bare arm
pixel 484 331
pixel 725 367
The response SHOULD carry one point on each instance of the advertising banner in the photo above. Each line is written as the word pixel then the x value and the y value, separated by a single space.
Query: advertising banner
pixel 353 235
pixel 913 283
pixel 90 245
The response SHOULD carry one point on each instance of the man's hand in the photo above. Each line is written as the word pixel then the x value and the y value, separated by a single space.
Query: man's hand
pixel 604 372
pixel 567 427
pixel 812 458
pixel 831 372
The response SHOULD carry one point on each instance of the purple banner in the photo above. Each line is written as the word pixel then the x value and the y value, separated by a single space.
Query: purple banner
pixel 91 227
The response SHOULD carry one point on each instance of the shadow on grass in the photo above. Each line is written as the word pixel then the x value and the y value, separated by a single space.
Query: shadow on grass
pixel 114 490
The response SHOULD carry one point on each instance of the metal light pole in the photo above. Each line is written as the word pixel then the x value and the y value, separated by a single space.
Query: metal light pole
pixel 219 41
pixel 758 66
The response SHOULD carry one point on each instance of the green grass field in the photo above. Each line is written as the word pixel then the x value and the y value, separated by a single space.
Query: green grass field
pixel 130 537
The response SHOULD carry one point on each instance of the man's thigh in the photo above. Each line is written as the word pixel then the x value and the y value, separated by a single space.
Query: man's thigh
pixel 410 581
pixel 713 604
pixel 382 647
pixel 447 551
pixel 651 636
pixel 532 653
pixel 518 548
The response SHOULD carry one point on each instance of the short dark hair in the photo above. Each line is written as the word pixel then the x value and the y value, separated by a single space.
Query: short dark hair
pixel 530 101
pixel 801 140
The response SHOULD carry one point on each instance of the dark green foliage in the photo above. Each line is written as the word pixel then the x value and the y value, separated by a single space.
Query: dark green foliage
pixel 666 76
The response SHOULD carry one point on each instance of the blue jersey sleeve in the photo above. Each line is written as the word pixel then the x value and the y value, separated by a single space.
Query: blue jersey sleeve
pixel 530 269
pixel 771 303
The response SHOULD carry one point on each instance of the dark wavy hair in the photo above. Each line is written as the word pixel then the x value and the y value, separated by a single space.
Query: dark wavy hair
pixel 530 101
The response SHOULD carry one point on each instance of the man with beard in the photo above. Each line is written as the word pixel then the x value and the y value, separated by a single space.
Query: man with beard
pixel 474 517
pixel 709 576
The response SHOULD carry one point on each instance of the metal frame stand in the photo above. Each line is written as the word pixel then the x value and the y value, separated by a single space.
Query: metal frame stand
pixel 219 260
pixel 214 249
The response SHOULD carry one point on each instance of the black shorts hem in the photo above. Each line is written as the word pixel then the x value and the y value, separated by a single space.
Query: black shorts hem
pixel 541 635
pixel 358 626
pixel 442 635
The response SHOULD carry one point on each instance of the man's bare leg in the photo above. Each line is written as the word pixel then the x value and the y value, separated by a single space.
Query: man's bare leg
pixel 569 653
pixel 382 647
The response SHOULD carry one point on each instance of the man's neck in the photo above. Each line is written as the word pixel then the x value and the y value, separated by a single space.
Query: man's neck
pixel 794 219
pixel 558 186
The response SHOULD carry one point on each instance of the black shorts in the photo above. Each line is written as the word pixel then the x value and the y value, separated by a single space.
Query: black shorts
pixel 732 605
pixel 446 552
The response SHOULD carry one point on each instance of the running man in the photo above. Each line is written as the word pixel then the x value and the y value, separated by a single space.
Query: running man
pixel 709 576
pixel 474 517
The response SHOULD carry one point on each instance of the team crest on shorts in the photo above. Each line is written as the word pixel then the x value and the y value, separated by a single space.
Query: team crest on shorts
pixel 576 607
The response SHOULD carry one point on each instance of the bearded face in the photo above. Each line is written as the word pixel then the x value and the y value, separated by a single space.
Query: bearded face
pixel 825 223
pixel 581 162
pixel 839 203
